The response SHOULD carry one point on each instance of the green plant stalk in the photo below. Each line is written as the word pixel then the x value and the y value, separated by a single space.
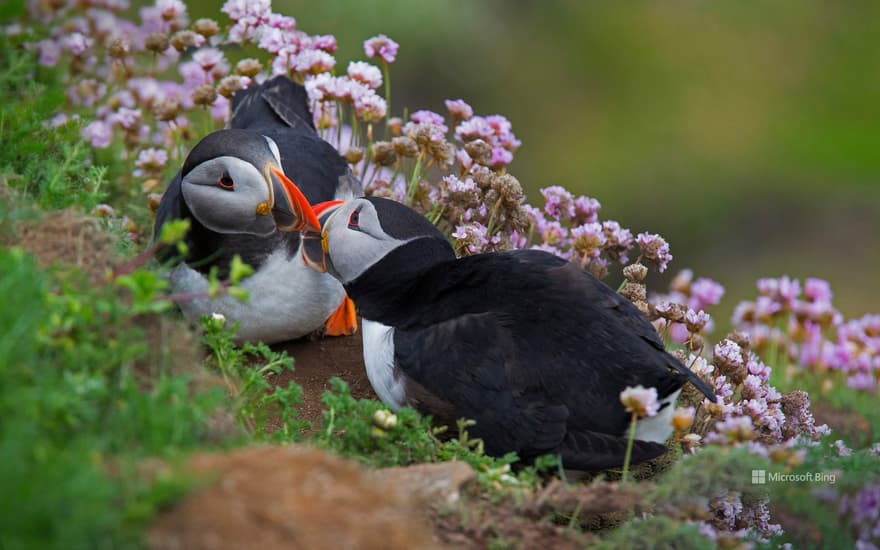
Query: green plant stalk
pixel 387 76
pixel 414 180
pixel 629 447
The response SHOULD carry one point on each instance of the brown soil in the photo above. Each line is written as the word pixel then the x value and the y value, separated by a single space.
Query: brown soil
pixel 317 361
pixel 70 238
pixel 285 497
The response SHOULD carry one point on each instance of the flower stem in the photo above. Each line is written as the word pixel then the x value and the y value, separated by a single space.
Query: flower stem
pixel 387 76
pixel 414 181
pixel 629 447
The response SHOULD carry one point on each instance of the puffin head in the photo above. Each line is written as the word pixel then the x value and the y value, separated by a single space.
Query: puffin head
pixel 357 234
pixel 232 182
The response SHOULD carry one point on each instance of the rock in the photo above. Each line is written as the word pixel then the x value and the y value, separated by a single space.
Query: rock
pixel 290 497
pixel 430 483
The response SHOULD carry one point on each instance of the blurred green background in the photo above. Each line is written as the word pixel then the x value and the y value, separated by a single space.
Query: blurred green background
pixel 747 133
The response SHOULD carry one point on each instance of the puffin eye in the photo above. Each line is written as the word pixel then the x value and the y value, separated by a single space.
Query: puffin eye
pixel 354 220
pixel 226 182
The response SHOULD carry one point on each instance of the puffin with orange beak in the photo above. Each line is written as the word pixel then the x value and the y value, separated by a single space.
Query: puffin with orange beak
pixel 528 345
pixel 236 188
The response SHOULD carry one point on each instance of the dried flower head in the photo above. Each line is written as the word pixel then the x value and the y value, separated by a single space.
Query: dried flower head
pixel 206 27
pixel 635 273
pixel 479 151
pixel 230 84
pixel 118 47
pixel 248 67
pixel 383 153
pixel 166 109
pixel 204 95
pixel 182 40
pixel 353 155
pixel 156 42
pixel 405 146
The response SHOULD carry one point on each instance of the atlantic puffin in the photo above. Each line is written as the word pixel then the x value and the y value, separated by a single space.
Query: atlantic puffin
pixel 532 348
pixel 235 188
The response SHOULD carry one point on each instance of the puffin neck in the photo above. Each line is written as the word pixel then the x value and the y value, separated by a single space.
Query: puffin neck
pixel 393 288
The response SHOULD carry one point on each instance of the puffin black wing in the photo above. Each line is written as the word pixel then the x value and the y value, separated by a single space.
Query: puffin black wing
pixel 536 352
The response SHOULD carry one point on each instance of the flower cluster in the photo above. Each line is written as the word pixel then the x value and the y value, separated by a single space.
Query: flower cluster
pixel 862 513
pixel 681 313
pixel 800 324
pixel 749 412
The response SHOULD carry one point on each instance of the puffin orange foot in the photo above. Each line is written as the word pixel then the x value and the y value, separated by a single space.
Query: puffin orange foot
pixel 343 321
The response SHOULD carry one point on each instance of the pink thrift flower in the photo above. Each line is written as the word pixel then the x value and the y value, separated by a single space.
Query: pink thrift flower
pixel 587 239
pixel 370 107
pixel 220 109
pixel 728 351
pixel 473 237
pixel 500 157
pixel 127 119
pixel 817 290
pixel 365 73
pixel 313 62
pixel 273 39
pixel 209 59
pixel 237 10
pixel 429 117
pixel 841 448
pixel 558 202
pixel 655 249
pixel 586 209
pixel 150 161
pixel 277 21
pixel 696 321
pixel 77 44
pixel 98 133
pixel 382 46
pixel 705 292
pixel 640 401
pixel 459 109
pixel 49 52
pixel 325 42
pixel 173 11
pixel 58 120
pixel 474 128
pixel 733 430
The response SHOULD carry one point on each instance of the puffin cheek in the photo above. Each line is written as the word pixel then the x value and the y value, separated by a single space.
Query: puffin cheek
pixel 313 252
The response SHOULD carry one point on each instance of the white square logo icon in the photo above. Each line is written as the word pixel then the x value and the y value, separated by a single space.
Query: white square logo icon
pixel 759 477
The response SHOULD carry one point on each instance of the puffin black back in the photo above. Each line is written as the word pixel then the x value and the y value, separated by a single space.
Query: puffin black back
pixel 277 102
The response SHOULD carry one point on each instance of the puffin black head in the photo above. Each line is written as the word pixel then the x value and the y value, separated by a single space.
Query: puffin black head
pixel 232 182
pixel 359 233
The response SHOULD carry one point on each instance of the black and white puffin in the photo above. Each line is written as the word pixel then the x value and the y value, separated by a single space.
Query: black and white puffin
pixel 532 348
pixel 235 189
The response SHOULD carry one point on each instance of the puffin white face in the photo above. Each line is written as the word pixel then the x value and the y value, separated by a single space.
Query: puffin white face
pixel 353 238
pixel 229 195
pixel 242 190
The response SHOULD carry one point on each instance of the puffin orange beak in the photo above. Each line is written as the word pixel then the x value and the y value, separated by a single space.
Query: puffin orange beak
pixel 315 249
pixel 292 211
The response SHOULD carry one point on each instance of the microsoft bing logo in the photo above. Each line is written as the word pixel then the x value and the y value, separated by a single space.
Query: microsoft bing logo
pixel 759 477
